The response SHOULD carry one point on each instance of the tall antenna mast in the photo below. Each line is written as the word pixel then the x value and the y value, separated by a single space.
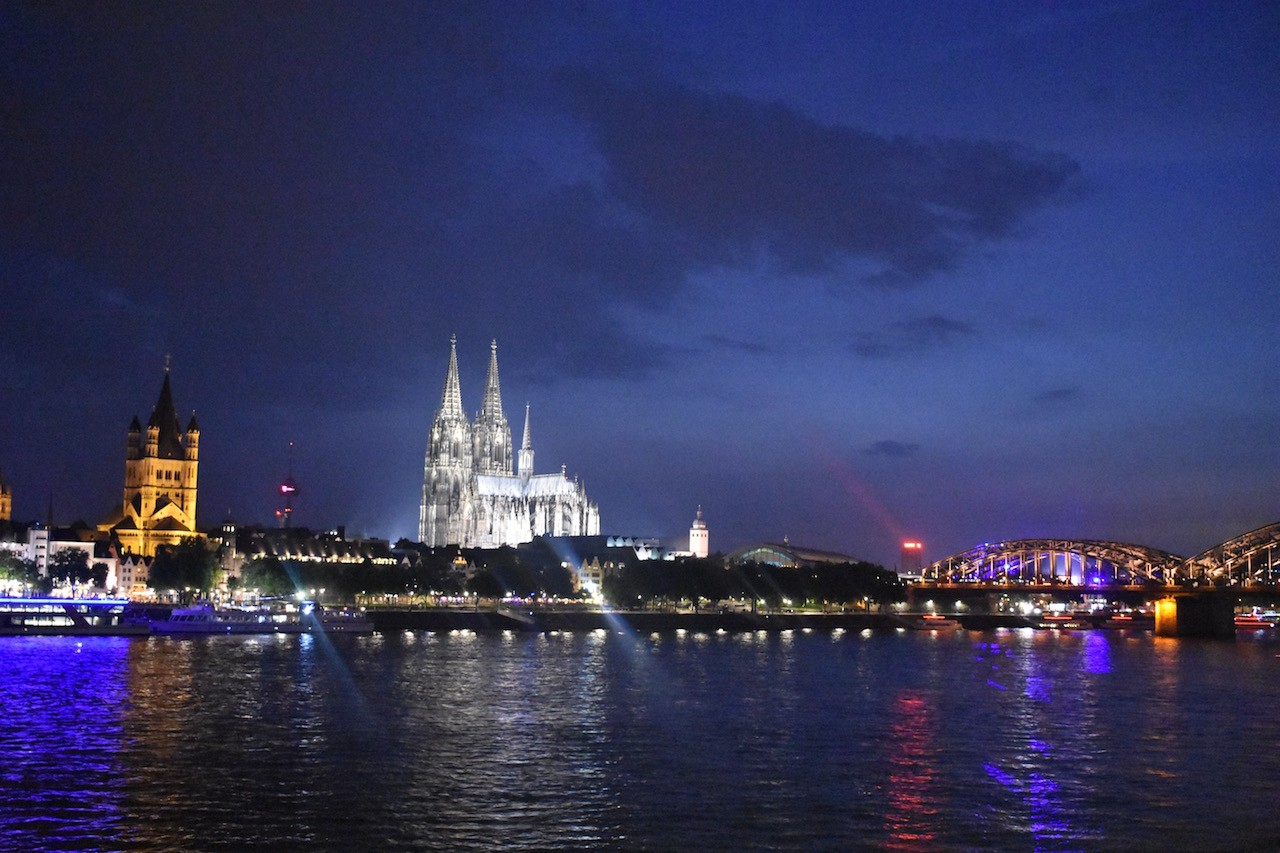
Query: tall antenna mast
pixel 287 489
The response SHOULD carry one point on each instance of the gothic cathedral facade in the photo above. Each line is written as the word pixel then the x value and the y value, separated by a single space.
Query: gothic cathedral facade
pixel 472 497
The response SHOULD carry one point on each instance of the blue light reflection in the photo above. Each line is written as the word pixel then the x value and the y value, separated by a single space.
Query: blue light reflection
pixel 60 736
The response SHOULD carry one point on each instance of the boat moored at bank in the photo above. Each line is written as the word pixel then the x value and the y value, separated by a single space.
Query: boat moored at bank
pixel 1064 620
pixel 935 622
pixel 206 619
pixel 69 616
pixel 1253 622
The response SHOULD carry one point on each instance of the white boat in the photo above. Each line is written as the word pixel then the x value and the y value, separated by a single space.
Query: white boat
pixel 205 619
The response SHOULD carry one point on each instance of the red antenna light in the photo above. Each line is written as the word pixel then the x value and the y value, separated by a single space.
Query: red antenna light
pixel 288 488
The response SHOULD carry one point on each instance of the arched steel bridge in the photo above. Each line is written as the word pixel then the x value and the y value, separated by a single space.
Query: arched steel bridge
pixel 1247 560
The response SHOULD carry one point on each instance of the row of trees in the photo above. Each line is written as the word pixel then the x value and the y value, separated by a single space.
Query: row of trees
pixel 192 570
pixel 525 572
pixel 492 574
pixel 189 568
pixel 710 579
pixel 67 566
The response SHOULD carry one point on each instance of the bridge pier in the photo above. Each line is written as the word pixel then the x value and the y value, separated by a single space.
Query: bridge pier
pixel 1196 614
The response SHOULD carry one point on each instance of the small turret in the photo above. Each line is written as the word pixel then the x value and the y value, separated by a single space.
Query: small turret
pixel 133 444
pixel 193 439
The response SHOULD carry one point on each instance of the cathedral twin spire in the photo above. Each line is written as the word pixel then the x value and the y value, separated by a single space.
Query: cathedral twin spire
pixel 491 408
pixel 490 435
pixel 451 397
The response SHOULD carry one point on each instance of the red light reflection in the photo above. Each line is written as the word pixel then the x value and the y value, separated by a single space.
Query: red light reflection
pixel 911 813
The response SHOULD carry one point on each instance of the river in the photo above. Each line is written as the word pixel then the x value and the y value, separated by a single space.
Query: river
pixel 908 741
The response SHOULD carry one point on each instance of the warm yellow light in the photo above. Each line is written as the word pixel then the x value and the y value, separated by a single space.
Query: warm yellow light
pixel 1166 617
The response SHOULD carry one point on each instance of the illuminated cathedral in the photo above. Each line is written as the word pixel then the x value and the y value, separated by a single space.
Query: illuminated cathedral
pixel 472 497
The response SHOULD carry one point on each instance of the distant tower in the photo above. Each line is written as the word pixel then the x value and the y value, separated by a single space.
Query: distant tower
pixel 230 531
pixel 526 449
pixel 288 488
pixel 6 499
pixel 160 470
pixel 912 558
pixel 699 536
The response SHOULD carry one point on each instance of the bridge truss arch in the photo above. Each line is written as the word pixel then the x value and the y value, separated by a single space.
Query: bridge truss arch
pixel 1079 562
pixel 1250 559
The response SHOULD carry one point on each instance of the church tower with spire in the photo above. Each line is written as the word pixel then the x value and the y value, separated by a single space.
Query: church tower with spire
pixel 160 480
pixel 491 436
pixel 445 516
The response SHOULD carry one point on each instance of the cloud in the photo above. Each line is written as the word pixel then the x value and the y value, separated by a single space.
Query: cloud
pixel 910 336
pixel 1059 395
pixel 722 342
pixel 892 449
pixel 444 168
pixel 936 329
pixel 739 177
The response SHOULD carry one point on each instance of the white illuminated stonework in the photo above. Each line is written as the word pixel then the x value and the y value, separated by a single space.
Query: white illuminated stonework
pixel 699 537
pixel 470 494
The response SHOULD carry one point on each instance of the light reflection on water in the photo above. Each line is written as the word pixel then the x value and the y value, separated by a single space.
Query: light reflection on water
pixel 911 741
pixel 911 814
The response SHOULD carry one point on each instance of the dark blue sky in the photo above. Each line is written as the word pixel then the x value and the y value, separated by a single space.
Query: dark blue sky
pixel 949 271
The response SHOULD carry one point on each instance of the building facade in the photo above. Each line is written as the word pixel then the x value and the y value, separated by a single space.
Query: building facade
pixel 160 469
pixel 912 560
pixel 472 495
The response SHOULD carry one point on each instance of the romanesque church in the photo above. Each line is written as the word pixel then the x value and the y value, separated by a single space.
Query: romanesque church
pixel 160 470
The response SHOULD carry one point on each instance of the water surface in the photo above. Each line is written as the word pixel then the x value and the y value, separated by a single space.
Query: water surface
pixel 1011 740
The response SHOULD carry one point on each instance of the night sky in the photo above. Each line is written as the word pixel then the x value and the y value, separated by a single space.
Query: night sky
pixel 840 272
